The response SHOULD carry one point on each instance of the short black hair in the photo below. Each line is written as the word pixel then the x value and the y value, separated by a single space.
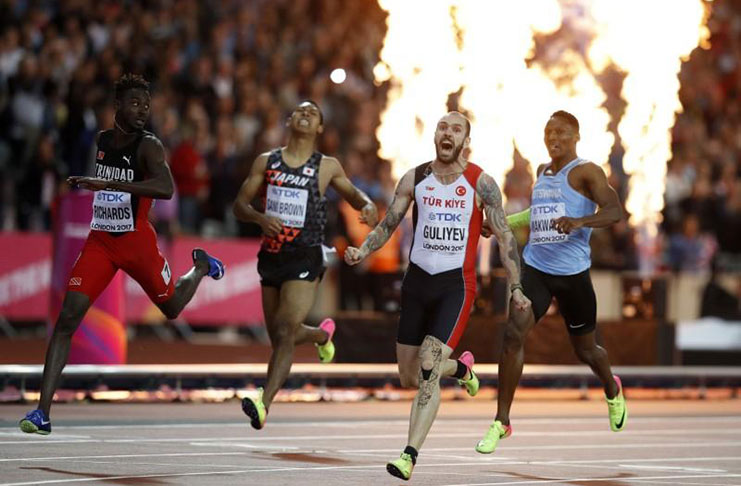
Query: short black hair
pixel 128 82
pixel 570 119
pixel 321 115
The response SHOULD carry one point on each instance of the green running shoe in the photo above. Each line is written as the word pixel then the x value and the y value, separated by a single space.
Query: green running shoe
pixel 255 410
pixel 496 431
pixel 401 467
pixel 326 350
pixel 617 409
pixel 471 384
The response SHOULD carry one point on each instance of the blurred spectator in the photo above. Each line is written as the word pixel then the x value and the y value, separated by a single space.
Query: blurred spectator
pixel 226 74
pixel 690 250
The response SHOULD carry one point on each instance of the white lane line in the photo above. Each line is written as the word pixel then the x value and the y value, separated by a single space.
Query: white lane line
pixel 246 446
pixel 238 471
pixel 59 436
pixel 673 468
pixel 404 422
pixel 664 459
pixel 445 435
pixel 363 467
pixel 567 446
pixel 123 456
pixel 590 480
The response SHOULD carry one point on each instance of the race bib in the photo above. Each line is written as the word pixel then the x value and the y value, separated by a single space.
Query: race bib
pixel 443 230
pixel 542 218
pixel 287 204
pixel 112 211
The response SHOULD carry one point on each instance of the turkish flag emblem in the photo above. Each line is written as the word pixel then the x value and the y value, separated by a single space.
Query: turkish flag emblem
pixel 460 190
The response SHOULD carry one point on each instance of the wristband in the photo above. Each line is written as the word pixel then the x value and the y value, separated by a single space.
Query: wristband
pixel 515 286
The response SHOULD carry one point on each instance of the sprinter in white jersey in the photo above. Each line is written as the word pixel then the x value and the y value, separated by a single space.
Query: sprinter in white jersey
pixel 450 196
pixel 571 196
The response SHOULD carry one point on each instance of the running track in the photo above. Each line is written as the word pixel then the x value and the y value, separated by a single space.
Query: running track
pixel 670 442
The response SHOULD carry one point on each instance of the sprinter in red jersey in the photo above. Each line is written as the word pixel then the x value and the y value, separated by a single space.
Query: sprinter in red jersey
pixel 130 171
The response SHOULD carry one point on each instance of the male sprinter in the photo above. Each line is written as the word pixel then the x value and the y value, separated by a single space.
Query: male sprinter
pixel 130 171
pixel 293 180
pixel 562 214
pixel 449 194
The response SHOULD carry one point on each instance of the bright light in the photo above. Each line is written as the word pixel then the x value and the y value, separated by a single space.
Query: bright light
pixel 485 49
pixel 338 76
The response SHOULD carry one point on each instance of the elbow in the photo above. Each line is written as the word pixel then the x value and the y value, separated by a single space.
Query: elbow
pixel 239 212
pixel 167 191
pixel 619 215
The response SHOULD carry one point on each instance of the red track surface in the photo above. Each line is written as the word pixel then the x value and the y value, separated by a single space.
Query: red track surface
pixel 669 442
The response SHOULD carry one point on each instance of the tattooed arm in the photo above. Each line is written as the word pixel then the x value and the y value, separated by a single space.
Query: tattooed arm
pixel 394 214
pixel 489 193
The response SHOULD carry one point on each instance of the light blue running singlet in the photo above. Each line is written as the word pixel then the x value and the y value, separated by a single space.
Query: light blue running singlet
pixel 547 250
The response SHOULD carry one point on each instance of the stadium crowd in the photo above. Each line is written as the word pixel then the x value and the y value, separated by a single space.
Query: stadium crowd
pixel 225 75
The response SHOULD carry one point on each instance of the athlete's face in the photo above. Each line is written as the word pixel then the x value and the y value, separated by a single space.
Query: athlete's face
pixel 451 137
pixel 560 138
pixel 133 110
pixel 306 119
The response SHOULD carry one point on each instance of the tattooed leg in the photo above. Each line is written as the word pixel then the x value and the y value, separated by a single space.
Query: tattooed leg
pixel 433 356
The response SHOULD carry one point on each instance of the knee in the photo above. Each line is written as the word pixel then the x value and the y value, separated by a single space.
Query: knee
pixel 409 380
pixel 284 332
pixel 514 339
pixel 430 358
pixel 68 321
pixel 586 355
pixel 170 313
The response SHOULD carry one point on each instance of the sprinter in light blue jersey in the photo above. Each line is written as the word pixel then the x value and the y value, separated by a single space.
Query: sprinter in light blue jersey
pixel 571 196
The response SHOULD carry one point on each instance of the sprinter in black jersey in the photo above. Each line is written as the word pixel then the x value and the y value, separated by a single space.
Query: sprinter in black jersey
pixel 292 182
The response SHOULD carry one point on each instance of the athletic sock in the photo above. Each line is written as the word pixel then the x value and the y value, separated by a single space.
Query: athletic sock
pixel 412 452
pixel 461 371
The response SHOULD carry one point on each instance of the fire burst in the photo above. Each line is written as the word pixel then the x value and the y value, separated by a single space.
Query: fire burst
pixel 486 49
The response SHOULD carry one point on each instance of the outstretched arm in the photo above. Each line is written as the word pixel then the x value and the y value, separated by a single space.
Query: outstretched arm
pixel 242 207
pixel 357 198
pixel 491 196
pixel 159 184
pixel 394 214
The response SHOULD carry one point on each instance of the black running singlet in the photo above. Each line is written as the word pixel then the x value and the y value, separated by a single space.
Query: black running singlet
pixel 115 211
pixel 292 195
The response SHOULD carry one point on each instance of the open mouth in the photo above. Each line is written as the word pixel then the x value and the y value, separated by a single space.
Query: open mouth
pixel 446 145
pixel 303 122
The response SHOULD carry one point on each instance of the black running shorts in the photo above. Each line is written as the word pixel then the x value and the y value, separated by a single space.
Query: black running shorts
pixel 300 264
pixel 435 305
pixel 574 294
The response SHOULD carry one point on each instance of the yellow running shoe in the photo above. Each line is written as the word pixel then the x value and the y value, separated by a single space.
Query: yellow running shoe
pixel 496 431
pixel 401 467
pixel 617 409
pixel 255 410
pixel 472 383
pixel 326 350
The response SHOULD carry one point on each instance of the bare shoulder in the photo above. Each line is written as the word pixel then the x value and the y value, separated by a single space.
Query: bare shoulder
pixel 330 164
pixel 406 183
pixel 261 161
pixel 540 170
pixel 589 170
pixel 151 141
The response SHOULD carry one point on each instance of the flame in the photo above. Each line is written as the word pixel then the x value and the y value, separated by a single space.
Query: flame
pixel 434 48
pixel 419 58
pixel 649 41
